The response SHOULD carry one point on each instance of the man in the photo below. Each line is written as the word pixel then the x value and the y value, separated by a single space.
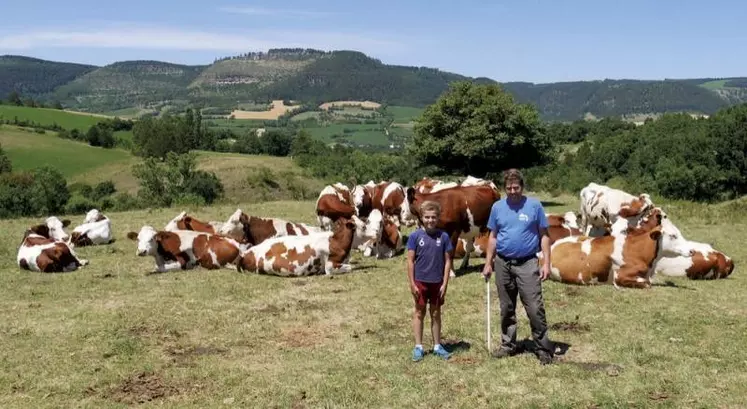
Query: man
pixel 517 228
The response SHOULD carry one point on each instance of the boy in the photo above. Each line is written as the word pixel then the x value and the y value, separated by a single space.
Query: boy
pixel 428 265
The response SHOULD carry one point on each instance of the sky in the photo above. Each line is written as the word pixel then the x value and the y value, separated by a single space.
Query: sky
pixel 506 40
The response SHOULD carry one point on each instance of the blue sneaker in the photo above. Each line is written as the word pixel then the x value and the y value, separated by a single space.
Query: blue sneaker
pixel 417 354
pixel 440 351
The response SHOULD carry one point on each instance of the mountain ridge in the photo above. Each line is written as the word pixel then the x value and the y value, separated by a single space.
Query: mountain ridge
pixel 314 76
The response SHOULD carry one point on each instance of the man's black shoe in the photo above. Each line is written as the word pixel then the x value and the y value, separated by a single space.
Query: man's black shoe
pixel 503 353
pixel 544 357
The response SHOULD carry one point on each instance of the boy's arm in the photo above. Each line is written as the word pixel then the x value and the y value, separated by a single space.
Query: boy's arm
pixel 411 272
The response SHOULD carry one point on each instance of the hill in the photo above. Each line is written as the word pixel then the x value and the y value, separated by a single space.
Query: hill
pixel 312 77
pixel 34 77
pixel 247 178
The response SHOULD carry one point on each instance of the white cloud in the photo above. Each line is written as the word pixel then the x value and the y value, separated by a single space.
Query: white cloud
pixel 139 37
pixel 259 11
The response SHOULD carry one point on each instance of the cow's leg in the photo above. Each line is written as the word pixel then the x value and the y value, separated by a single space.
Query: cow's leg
pixel 454 240
pixel 631 277
pixel 469 247
pixel 81 262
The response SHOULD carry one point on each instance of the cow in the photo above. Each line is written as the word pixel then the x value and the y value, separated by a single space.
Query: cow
pixel 473 181
pixel 427 185
pixel 601 205
pixel 382 237
pixel 183 221
pixel 185 249
pixel 569 219
pixel 363 198
pixel 706 263
pixel 479 247
pixel 332 204
pixel 95 230
pixel 254 230
pixel 625 258
pixel 465 211
pixel 391 199
pixel 41 252
pixel 53 228
pixel 294 256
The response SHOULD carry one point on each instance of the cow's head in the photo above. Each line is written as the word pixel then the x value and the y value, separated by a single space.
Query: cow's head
pixel 147 241
pixel 173 224
pixel 571 219
pixel 234 226
pixel 672 241
pixel 94 215
pixel 368 232
pixel 53 228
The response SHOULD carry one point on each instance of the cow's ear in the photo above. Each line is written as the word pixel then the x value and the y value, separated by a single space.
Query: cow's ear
pixel 243 219
pixel 410 194
pixel 655 234
pixel 66 222
pixel 350 224
pixel 658 218
pixel 132 235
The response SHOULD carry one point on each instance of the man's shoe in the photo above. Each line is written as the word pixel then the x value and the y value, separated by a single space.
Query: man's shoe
pixel 544 357
pixel 503 352
pixel 417 354
pixel 440 351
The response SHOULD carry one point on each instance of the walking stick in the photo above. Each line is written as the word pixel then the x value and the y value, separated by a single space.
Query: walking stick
pixel 487 313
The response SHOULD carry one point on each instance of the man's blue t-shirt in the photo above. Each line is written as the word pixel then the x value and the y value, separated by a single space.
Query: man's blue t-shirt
pixel 430 251
pixel 517 226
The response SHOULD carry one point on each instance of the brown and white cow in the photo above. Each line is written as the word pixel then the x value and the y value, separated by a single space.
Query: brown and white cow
pixel 332 204
pixel 601 206
pixel 293 256
pixel 185 249
pixel 53 228
pixel 39 251
pixel 624 259
pixel 473 181
pixel 95 230
pixel 464 212
pixel 184 221
pixel 382 237
pixel 706 263
pixel 254 230
pixel 390 198
pixel 479 247
pixel 428 185
pixel 363 198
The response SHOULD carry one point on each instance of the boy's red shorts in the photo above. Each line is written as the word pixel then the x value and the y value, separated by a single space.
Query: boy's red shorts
pixel 428 293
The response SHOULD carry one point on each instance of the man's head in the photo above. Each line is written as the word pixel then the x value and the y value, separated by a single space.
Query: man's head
pixel 430 211
pixel 513 183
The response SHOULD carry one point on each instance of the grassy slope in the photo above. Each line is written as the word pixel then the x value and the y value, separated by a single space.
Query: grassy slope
pixel 80 162
pixel 110 333
pixel 47 116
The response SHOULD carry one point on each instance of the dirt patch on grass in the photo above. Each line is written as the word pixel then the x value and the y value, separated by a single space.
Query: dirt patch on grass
pixel 573 326
pixel 573 291
pixel 156 333
pixel 270 309
pixel 140 388
pixel 183 355
pixel 304 337
pixel 278 109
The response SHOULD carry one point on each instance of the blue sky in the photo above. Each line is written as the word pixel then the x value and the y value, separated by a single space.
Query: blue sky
pixel 507 40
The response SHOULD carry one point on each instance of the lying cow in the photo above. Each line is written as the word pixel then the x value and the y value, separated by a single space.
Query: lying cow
pixel 185 249
pixel 625 258
pixel 53 228
pixel 706 263
pixel 601 206
pixel 253 230
pixel 95 230
pixel 39 251
pixel 183 221
pixel 293 256
pixel 381 237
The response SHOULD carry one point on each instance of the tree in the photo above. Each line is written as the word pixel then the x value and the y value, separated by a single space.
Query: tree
pixel 476 129
pixel 5 165
pixel 14 98
pixel 729 128
pixel 49 190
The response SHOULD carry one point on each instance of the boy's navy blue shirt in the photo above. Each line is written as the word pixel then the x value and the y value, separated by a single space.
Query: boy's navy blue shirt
pixel 430 259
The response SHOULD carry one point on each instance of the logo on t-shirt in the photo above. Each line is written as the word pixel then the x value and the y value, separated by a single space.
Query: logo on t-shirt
pixel 421 243
pixel 523 217
pixel 438 242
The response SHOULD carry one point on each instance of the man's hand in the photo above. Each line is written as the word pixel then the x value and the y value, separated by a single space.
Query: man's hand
pixel 414 290
pixel 487 271
pixel 545 271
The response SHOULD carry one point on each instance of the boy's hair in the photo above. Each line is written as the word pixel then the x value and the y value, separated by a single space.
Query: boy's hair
pixel 430 205
pixel 513 175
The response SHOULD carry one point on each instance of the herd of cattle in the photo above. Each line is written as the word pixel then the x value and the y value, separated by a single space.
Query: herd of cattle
pixel 615 238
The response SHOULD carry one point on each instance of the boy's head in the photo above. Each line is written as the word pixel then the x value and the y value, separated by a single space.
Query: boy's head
pixel 430 211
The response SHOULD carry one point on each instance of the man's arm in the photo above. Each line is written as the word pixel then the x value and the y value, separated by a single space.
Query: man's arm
pixel 544 244
pixel 489 254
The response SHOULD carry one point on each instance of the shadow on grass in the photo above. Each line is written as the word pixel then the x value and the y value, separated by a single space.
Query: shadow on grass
pixel 672 284
pixel 546 203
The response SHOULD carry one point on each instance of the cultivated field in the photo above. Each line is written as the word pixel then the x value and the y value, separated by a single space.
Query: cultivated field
pixel 278 109
pixel 48 116
pixel 364 104
pixel 111 334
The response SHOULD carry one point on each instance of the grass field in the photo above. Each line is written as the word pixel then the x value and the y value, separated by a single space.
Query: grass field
pixel 361 133
pixel 404 114
pixel 27 149
pixel 80 162
pixel 46 116
pixel 110 334
pixel 715 84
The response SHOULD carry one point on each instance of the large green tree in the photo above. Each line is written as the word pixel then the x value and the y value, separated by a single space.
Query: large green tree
pixel 478 129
